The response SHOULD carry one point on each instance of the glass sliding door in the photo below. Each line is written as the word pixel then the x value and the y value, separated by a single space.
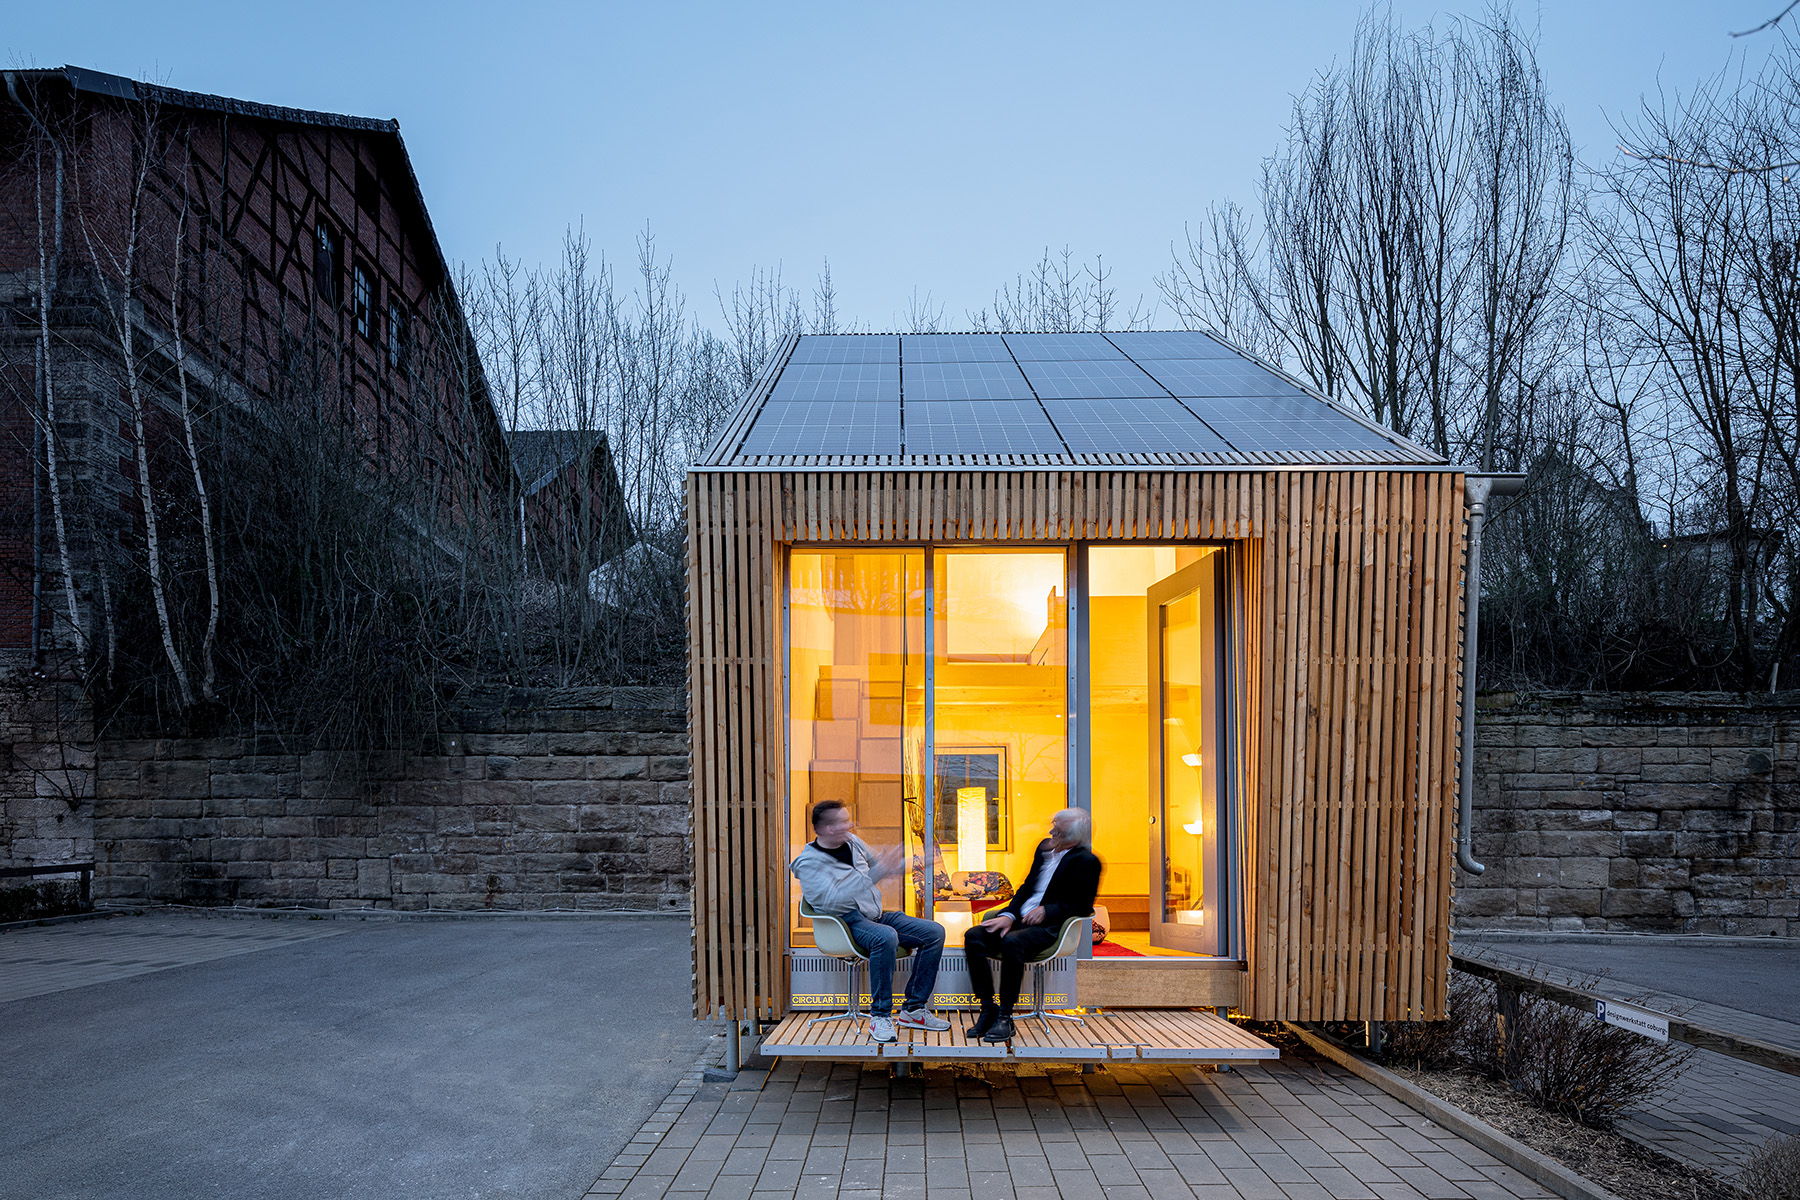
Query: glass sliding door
pixel 856 703
pixel 999 722
pixel 1155 676
pixel 1186 737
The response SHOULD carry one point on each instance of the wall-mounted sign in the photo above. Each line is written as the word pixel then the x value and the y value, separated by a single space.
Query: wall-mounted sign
pixel 1653 1025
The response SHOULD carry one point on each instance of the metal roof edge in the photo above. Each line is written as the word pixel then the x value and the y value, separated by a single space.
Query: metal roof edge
pixel 1093 469
pixel 737 425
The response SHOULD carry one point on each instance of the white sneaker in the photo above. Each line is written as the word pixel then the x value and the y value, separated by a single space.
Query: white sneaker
pixel 881 1029
pixel 921 1018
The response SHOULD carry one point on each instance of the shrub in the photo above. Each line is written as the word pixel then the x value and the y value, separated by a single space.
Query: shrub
pixel 1565 1060
pixel 1429 1044
pixel 1773 1172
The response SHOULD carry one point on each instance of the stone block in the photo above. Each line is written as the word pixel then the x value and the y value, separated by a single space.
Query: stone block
pixel 508 744
pixel 177 780
pixel 1569 902
pixel 1563 760
pixel 1596 844
pixel 373 877
pixel 1585 873
pixel 1717 821
pixel 1676 772
pixel 1481 901
pixel 408 818
pixel 1531 872
pixel 621 767
pixel 558 818
pixel 1636 902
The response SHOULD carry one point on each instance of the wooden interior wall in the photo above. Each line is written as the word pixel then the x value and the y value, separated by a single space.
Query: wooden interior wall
pixel 1353 588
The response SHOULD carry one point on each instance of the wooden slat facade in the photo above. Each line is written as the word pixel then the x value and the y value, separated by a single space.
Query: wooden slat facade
pixel 1353 590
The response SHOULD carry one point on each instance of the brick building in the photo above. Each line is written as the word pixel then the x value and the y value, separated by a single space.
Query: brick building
pixel 165 253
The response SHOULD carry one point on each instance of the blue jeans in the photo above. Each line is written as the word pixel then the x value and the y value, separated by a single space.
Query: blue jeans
pixel 881 941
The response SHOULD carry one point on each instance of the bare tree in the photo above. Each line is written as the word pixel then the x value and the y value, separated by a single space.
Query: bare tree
pixel 1059 295
pixel 113 242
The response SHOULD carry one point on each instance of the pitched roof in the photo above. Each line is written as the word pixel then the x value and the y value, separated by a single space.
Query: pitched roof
pixel 1170 399
pixel 538 454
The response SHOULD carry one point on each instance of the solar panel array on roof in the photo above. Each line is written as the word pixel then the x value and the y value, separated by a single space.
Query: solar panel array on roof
pixel 1160 396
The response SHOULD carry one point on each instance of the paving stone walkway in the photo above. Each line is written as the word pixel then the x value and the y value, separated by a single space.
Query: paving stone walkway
pixel 1718 1113
pixel 1297 1129
pixel 55 958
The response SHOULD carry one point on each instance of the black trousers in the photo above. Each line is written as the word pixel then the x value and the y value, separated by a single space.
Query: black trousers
pixel 1018 944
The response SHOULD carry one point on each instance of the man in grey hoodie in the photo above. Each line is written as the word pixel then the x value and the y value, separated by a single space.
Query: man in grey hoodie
pixel 840 875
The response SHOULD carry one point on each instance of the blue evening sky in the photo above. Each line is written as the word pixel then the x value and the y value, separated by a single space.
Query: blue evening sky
pixel 918 145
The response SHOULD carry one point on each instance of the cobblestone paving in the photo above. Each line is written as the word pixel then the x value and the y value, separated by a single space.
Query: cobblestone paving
pixel 1290 1130
pixel 54 958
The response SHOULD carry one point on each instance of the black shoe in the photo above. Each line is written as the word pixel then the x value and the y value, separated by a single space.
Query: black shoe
pixel 1000 1031
pixel 989 1014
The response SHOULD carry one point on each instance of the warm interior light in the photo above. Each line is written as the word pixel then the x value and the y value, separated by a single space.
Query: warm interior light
pixel 1192 760
pixel 1194 827
pixel 971 829
pixel 955 918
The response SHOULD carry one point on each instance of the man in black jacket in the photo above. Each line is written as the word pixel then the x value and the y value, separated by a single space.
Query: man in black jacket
pixel 1064 878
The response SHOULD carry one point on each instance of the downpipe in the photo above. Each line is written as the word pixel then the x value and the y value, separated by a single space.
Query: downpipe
pixel 1477 490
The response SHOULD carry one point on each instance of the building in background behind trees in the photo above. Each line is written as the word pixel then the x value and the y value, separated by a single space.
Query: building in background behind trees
pixel 251 474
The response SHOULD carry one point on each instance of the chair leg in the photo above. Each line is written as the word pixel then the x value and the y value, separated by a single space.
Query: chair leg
pixel 853 1010
pixel 1038 1012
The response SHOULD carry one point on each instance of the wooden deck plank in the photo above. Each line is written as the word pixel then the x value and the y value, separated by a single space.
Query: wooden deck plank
pixel 1121 1035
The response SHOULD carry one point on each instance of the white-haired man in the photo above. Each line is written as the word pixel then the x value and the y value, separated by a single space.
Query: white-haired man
pixel 1064 879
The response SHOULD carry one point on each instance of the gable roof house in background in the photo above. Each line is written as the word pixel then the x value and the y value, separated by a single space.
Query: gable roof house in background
pixel 572 513
pixel 309 276
pixel 293 253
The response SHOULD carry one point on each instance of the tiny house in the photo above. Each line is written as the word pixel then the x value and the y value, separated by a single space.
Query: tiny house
pixel 960 581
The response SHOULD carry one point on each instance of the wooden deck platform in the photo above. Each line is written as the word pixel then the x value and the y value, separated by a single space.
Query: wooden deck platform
pixel 1162 1036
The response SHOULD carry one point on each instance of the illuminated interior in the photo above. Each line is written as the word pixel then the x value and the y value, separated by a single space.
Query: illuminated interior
pixel 998 658
pixel 1154 790
pixel 1000 669
pixel 856 699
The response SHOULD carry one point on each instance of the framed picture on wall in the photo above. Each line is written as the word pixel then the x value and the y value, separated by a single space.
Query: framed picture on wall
pixel 962 767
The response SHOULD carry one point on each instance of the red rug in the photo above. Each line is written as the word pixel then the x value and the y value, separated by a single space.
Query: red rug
pixel 1114 950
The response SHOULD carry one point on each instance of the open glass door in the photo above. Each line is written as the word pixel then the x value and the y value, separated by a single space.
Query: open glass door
pixel 1186 742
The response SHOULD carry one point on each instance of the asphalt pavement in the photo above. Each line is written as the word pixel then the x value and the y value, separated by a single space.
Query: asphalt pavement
pixel 1760 976
pixel 393 1059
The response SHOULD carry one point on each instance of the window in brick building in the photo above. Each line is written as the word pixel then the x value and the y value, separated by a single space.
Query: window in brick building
pixel 362 300
pixel 368 191
pixel 328 263
pixel 399 333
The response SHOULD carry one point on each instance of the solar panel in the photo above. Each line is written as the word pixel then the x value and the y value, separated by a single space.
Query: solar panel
pixel 1217 377
pixel 1140 345
pixel 824 427
pixel 1052 394
pixel 1150 425
pixel 847 348
pixel 953 347
pixel 1256 424
pixel 965 381
pixel 1050 347
pixel 1078 378
pixel 857 382
pixel 979 427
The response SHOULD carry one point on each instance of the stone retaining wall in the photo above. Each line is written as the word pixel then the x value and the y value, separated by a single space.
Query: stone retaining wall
pixel 1650 811
pixel 567 798
pixel 46 768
